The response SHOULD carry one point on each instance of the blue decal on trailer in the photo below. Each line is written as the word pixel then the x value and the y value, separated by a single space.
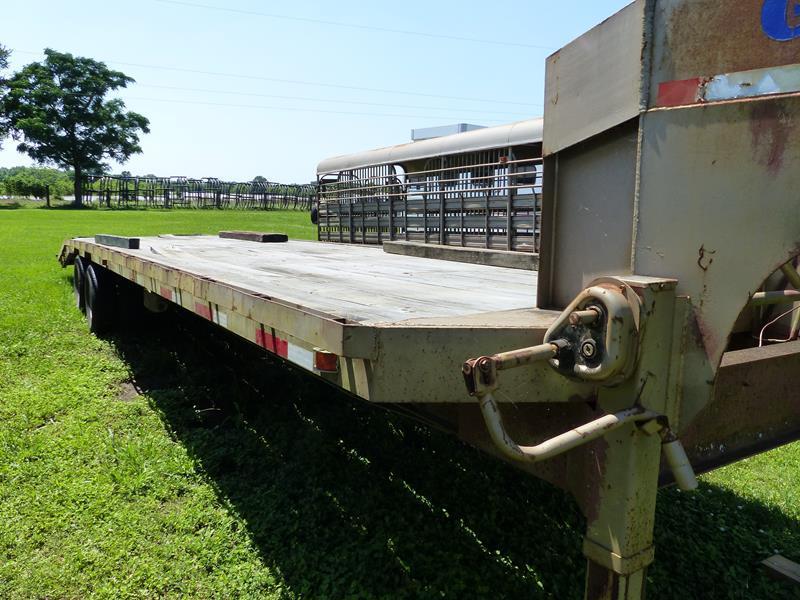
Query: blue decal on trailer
pixel 780 19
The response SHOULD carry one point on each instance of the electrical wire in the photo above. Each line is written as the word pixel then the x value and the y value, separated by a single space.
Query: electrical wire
pixel 313 99
pixel 443 36
pixel 295 109
pixel 772 322
pixel 300 82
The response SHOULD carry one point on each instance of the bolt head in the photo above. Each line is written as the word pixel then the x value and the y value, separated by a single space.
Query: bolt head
pixel 588 349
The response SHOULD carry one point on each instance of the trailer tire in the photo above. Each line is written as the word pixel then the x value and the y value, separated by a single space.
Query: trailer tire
pixel 99 299
pixel 78 279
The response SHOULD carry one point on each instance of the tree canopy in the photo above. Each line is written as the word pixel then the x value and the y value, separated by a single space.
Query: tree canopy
pixel 58 111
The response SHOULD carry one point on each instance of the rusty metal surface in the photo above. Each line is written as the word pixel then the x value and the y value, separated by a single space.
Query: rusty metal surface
pixel 723 244
pixel 756 406
pixel 702 38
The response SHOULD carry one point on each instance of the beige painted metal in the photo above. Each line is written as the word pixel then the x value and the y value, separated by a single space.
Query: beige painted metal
pixel 589 92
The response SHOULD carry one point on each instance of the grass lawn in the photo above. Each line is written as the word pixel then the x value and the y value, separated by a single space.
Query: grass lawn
pixel 157 464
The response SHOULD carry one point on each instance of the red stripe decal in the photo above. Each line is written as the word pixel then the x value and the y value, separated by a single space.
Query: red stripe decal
pixel 269 342
pixel 165 292
pixel 281 347
pixel 267 339
pixel 678 93
pixel 203 309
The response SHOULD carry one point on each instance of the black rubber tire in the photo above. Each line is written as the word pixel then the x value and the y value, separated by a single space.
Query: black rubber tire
pixel 315 215
pixel 99 293
pixel 78 279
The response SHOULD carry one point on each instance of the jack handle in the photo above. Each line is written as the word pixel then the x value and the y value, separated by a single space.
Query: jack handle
pixel 648 421
pixel 480 374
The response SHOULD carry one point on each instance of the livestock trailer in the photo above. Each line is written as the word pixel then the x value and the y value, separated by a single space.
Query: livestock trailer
pixel 658 338
pixel 479 188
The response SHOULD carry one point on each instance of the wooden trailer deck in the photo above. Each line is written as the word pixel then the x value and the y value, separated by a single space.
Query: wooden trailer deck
pixel 396 323
pixel 361 285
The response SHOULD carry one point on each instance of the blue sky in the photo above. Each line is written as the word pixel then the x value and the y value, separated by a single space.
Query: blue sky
pixel 244 88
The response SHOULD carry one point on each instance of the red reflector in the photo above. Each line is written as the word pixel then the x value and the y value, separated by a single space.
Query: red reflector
pixel 326 362
pixel 203 309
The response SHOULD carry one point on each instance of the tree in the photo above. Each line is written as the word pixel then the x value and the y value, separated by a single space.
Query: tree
pixel 58 109
pixel 4 54
pixel 259 179
pixel 32 181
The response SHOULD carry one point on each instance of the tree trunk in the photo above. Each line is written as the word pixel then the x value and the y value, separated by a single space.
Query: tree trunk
pixel 78 187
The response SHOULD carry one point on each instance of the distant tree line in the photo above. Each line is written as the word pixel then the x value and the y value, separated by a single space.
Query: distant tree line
pixel 34 181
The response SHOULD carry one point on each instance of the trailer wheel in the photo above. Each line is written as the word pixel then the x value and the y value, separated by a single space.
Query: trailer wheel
pixel 99 299
pixel 78 278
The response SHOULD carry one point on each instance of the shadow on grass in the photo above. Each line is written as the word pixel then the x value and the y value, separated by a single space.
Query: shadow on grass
pixel 343 499
pixel 67 206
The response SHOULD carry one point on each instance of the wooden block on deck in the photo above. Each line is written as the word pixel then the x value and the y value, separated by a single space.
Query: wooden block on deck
pixel 118 241
pixel 782 568
pixel 476 256
pixel 254 236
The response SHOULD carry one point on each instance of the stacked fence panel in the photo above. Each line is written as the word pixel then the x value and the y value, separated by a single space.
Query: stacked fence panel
pixel 482 199
pixel 182 192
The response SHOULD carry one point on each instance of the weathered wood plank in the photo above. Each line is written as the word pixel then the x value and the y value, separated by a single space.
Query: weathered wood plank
pixel 782 568
pixel 478 256
pixel 254 236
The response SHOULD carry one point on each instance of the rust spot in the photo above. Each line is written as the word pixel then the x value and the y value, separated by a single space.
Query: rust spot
pixel 705 257
pixel 706 38
pixel 600 582
pixel 770 129
pixel 704 336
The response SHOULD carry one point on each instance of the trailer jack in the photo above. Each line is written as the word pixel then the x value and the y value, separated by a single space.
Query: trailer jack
pixel 481 378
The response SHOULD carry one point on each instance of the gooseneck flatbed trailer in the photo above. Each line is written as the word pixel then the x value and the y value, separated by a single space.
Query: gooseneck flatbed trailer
pixel 656 340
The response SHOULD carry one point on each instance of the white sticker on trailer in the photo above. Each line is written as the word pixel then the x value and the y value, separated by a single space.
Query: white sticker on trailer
pixel 751 84
pixel 219 317
pixel 300 356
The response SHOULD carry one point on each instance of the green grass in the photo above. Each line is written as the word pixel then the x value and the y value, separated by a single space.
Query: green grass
pixel 202 485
